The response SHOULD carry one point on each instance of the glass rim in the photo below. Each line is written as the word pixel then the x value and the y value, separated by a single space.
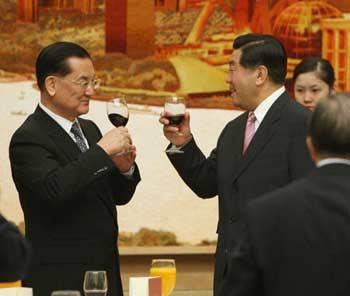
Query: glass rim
pixel 175 98
pixel 163 260
pixel 53 293
pixel 95 271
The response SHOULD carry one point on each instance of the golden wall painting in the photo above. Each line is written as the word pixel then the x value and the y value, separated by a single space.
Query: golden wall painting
pixel 150 49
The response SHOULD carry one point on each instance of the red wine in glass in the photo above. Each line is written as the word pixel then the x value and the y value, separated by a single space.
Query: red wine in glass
pixel 117 120
pixel 175 109
pixel 118 111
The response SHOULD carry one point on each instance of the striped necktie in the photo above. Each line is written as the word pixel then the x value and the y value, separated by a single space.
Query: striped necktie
pixel 79 138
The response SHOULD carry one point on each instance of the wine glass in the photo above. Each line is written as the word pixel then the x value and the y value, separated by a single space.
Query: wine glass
pixel 65 293
pixel 118 111
pixel 95 283
pixel 174 108
pixel 165 268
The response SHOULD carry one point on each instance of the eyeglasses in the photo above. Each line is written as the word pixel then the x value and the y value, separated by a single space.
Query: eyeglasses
pixel 84 83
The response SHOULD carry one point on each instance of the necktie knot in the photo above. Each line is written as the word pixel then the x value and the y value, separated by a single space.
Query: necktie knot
pixel 251 117
pixel 79 138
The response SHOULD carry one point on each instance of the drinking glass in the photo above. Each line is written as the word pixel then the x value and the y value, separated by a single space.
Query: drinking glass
pixel 165 268
pixel 174 108
pixel 95 283
pixel 118 111
pixel 65 293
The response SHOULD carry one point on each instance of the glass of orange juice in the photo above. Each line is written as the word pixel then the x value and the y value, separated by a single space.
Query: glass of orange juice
pixel 165 268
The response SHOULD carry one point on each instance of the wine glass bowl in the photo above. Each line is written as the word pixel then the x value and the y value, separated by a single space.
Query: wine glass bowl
pixel 174 108
pixel 118 111
pixel 95 283
pixel 165 268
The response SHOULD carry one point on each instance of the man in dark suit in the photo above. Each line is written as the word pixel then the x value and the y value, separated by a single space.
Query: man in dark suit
pixel 14 252
pixel 261 150
pixel 297 239
pixel 69 177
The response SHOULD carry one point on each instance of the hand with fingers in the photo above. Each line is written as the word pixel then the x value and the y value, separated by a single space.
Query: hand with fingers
pixel 125 161
pixel 179 134
pixel 116 141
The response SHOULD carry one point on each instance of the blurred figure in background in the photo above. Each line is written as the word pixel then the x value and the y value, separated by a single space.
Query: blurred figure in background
pixel 297 239
pixel 14 252
pixel 313 80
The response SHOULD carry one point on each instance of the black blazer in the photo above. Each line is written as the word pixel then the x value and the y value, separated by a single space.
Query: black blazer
pixel 297 240
pixel 69 202
pixel 276 156
pixel 14 252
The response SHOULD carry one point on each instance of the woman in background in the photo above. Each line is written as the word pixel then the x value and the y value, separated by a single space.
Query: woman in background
pixel 313 80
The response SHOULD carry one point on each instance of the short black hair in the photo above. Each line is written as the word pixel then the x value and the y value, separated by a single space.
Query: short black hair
pixel 322 68
pixel 266 50
pixel 330 125
pixel 52 60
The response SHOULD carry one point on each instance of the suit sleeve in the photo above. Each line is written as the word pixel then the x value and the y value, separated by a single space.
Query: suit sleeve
pixel 124 187
pixel 197 171
pixel 243 276
pixel 37 169
pixel 14 252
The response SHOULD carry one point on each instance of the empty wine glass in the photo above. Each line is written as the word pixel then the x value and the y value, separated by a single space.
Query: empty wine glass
pixel 95 283
pixel 118 111
pixel 165 268
pixel 174 108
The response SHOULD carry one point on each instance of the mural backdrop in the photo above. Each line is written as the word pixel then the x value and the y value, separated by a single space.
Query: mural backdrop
pixel 150 49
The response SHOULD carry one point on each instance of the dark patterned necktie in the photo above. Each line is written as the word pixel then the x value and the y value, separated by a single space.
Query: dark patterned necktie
pixel 79 138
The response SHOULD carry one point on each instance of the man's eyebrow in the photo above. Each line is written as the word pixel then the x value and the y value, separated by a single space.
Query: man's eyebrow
pixel 85 77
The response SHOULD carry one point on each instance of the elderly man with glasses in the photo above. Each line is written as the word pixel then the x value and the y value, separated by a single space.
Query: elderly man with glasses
pixel 69 177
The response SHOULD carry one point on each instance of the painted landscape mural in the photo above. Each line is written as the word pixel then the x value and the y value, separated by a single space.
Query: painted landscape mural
pixel 150 49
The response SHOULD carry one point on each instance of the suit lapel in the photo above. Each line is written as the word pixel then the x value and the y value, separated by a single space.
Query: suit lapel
pixel 57 134
pixel 93 137
pixel 69 147
pixel 90 133
pixel 263 135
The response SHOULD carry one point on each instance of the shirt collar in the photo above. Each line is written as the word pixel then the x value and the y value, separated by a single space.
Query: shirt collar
pixel 327 161
pixel 61 121
pixel 266 104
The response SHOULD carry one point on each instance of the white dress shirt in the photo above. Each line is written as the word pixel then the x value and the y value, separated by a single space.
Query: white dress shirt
pixel 326 161
pixel 265 106
pixel 64 123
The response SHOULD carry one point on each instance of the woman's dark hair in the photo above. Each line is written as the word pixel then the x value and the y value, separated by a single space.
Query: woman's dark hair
pixel 53 60
pixel 322 68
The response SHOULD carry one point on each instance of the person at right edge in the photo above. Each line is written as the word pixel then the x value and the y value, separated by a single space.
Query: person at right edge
pixel 261 150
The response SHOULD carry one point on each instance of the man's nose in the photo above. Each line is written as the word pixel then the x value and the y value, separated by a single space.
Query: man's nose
pixel 90 91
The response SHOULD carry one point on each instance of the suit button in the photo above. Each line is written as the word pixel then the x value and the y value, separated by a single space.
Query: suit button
pixel 226 251
pixel 231 220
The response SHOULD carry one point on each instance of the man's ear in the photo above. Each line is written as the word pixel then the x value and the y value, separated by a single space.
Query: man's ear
pixel 312 150
pixel 51 85
pixel 261 75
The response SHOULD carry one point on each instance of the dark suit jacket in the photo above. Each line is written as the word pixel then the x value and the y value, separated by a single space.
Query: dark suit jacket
pixel 14 252
pixel 297 240
pixel 276 156
pixel 69 202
